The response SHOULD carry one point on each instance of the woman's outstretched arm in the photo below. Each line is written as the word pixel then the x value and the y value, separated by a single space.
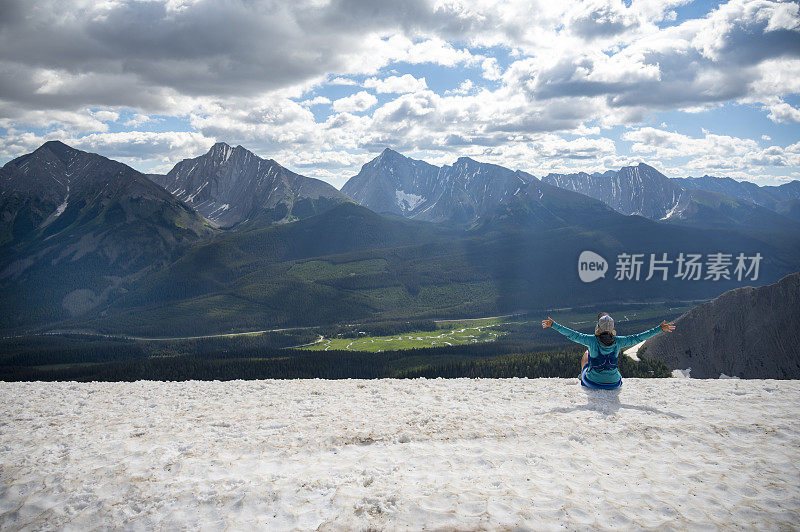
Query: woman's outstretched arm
pixel 575 336
pixel 633 339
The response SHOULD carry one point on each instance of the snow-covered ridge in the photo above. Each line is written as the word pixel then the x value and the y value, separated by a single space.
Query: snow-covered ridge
pixel 400 454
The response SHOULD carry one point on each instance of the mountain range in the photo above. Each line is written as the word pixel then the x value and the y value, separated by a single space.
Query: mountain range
pixel 459 193
pixel 707 202
pixel 236 242
pixel 640 189
pixel 783 199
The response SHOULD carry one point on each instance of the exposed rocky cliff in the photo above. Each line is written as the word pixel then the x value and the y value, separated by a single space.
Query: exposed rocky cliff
pixel 746 332
pixel 231 185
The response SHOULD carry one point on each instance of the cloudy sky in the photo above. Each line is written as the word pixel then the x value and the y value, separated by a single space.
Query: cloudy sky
pixel 322 86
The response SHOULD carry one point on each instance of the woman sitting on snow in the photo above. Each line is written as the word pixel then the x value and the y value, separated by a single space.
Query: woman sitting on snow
pixel 599 363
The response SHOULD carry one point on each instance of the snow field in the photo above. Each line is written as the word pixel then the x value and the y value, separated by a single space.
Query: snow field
pixel 468 454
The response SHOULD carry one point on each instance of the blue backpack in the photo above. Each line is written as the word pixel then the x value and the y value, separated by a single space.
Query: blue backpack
pixel 603 361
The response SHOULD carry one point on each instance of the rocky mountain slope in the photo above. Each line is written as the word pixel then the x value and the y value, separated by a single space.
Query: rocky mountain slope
pixel 459 193
pixel 789 208
pixel 539 205
pixel 771 197
pixel 637 189
pixel 645 191
pixel 746 332
pixel 76 225
pixel 230 186
pixel 703 208
pixel 349 264
pixel 33 188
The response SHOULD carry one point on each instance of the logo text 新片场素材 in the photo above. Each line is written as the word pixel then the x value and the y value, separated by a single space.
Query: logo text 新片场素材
pixel 687 266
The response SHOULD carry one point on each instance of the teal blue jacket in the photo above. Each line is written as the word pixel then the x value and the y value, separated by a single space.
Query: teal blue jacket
pixel 608 376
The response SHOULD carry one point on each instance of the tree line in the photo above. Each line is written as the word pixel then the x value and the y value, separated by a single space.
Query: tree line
pixel 134 361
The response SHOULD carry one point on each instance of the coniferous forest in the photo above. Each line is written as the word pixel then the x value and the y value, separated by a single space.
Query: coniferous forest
pixel 266 356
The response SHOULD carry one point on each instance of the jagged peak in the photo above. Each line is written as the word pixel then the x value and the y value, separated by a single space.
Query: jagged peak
pixel 639 167
pixel 224 151
pixel 645 165
pixel 584 175
pixel 720 178
pixel 220 147
pixel 387 156
pixel 389 153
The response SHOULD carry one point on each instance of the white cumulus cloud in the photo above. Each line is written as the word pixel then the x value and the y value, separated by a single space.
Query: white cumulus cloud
pixel 360 101
pixel 396 84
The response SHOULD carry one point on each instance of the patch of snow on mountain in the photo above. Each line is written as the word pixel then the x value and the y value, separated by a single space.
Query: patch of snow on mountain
pixel 408 201
pixel 58 212
pixel 671 212
pixel 440 454
pixel 61 208
pixel 190 198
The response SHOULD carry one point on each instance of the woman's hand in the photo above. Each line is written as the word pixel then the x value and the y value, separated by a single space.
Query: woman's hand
pixel 667 327
pixel 547 323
